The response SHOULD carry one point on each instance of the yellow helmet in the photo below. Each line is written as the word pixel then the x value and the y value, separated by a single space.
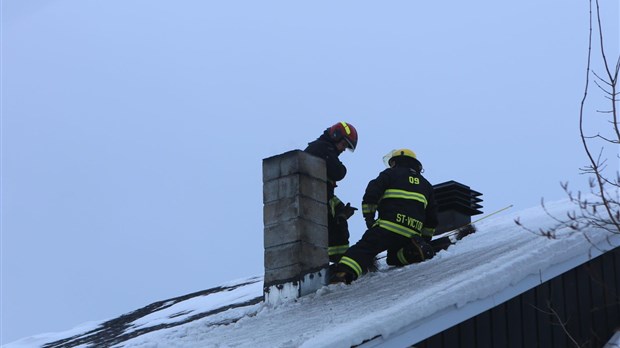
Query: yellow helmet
pixel 388 159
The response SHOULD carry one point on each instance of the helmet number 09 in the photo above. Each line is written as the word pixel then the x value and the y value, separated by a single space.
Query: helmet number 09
pixel 414 180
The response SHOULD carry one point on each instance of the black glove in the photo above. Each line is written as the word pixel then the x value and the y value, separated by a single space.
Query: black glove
pixel 370 220
pixel 465 231
pixel 345 211
pixel 418 251
pixel 348 211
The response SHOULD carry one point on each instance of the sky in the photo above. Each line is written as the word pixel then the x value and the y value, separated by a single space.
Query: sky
pixel 498 262
pixel 133 131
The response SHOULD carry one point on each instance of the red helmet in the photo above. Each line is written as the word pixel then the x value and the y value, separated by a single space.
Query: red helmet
pixel 346 131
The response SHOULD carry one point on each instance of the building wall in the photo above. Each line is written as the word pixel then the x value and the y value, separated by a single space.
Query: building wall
pixel 580 308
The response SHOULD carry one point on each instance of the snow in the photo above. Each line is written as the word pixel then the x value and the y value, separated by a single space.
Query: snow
pixel 183 310
pixel 391 307
pixel 40 340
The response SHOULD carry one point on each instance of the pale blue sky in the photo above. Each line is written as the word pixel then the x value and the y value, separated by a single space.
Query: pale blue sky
pixel 133 130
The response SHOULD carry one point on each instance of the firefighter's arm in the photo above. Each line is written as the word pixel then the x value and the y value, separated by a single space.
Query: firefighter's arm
pixel 339 210
pixel 431 220
pixel 372 196
pixel 336 171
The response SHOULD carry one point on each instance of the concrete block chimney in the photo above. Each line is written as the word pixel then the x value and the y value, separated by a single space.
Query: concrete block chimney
pixel 295 220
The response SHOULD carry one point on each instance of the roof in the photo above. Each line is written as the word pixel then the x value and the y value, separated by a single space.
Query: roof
pixel 395 307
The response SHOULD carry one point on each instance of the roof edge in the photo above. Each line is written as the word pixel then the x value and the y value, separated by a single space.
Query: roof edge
pixel 440 321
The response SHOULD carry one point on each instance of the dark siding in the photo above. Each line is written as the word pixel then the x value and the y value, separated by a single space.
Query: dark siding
pixel 467 333
pixel 514 324
pixel 584 302
pixel 498 326
pixel 435 341
pixel 484 334
pixel 528 318
pixel 571 320
pixel 599 314
pixel 612 302
pixel 451 337
pixel 544 318
pixel 558 306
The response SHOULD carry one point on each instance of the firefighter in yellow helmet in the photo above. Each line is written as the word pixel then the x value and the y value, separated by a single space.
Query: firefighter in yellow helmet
pixel 407 218
pixel 329 146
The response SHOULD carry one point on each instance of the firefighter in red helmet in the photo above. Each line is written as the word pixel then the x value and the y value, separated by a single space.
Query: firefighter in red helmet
pixel 329 146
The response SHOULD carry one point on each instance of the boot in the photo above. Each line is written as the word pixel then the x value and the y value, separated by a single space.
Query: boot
pixel 338 275
pixel 418 250
pixel 341 277
pixel 374 266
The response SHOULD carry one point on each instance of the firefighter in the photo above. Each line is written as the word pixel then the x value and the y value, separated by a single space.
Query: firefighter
pixel 329 146
pixel 406 223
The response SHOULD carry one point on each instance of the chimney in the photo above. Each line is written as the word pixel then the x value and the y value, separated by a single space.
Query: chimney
pixel 295 226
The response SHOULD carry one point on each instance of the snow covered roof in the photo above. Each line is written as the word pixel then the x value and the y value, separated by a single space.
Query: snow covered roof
pixel 395 307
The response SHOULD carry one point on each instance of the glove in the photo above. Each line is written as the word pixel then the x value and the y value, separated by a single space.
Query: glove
pixel 348 211
pixel 345 211
pixel 370 220
pixel 418 251
pixel 465 231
